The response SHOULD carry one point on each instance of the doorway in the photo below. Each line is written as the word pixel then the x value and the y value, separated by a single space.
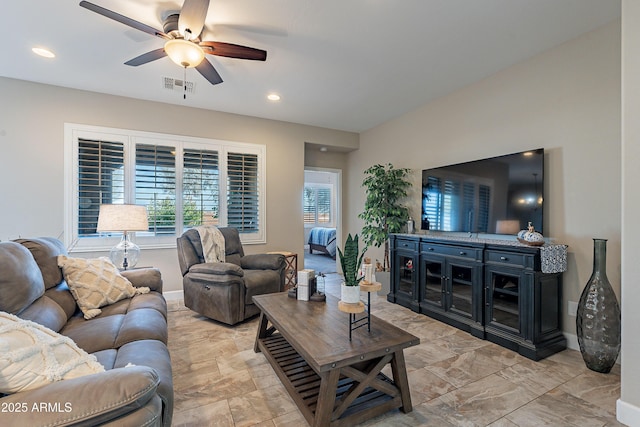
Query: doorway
pixel 322 218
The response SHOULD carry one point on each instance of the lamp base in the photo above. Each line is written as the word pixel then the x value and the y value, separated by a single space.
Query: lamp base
pixel 125 254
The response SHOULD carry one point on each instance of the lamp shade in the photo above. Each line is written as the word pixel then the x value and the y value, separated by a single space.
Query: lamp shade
pixel 122 218
pixel 508 226
pixel 184 53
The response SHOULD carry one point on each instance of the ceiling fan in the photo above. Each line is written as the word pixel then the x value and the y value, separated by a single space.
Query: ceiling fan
pixel 182 39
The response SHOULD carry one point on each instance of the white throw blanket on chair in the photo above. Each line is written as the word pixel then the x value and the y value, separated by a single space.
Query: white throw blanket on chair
pixel 212 243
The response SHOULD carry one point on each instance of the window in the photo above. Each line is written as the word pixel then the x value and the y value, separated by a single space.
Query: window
pixel 155 186
pixel 242 192
pixel 100 178
pixel 317 207
pixel 179 180
pixel 200 191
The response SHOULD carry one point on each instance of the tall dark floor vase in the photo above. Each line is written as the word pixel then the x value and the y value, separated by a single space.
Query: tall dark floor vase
pixel 598 320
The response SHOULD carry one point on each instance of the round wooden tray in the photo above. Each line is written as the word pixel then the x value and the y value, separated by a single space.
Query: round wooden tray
pixel 351 308
pixel 370 287
pixel 524 242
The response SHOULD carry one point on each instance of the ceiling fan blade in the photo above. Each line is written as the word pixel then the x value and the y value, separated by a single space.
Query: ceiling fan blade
pixel 192 17
pixel 124 20
pixel 147 57
pixel 234 51
pixel 208 72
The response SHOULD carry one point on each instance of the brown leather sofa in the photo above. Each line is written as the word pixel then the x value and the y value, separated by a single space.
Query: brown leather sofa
pixel 223 291
pixel 130 332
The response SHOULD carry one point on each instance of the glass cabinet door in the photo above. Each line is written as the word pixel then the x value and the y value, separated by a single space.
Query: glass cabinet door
pixel 461 291
pixel 432 282
pixel 407 271
pixel 503 303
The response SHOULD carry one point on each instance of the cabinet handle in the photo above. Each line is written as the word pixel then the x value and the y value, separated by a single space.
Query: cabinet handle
pixel 504 258
pixel 486 297
pixel 431 249
pixel 463 253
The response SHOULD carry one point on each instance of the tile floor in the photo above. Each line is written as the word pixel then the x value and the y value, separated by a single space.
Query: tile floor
pixel 455 379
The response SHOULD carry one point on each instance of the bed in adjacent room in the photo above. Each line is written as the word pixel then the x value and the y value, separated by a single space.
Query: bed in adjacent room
pixel 323 239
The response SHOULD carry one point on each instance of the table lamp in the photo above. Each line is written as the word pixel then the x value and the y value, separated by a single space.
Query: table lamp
pixel 123 218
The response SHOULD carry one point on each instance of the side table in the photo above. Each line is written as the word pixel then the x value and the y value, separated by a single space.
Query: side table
pixel 359 307
pixel 291 269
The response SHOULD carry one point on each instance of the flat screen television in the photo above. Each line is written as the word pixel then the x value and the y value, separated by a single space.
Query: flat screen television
pixel 498 195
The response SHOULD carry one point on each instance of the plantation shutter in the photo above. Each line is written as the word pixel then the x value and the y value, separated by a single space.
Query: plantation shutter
pixel 242 192
pixel 182 181
pixel 484 201
pixel 200 188
pixel 317 205
pixel 155 186
pixel 100 180
pixel 468 206
pixel 431 207
pixel 323 215
pixel 451 200
pixel 309 207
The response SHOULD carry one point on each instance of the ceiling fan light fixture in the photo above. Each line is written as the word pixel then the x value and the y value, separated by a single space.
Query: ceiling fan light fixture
pixel 184 53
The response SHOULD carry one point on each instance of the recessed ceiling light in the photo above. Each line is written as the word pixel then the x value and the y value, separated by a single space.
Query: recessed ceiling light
pixel 43 52
pixel 273 97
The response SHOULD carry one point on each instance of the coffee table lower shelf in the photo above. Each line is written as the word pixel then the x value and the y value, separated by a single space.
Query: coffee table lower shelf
pixel 304 384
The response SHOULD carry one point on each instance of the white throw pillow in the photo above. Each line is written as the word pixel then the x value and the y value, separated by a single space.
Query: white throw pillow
pixel 95 283
pixel 32 356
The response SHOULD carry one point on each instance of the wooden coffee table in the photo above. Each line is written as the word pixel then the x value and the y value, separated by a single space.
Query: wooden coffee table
pixel 333 381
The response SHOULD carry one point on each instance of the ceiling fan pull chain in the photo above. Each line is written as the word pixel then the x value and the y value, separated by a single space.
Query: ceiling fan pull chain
pixel 184 81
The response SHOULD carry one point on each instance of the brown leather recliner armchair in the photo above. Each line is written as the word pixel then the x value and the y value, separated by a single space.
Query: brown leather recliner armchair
pixel 223 291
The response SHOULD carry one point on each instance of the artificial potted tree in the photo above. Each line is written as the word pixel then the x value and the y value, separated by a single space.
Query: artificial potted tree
pixel 384 212
pixel 350 261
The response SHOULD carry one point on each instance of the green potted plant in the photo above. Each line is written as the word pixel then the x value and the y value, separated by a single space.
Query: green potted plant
pixel 384 212
pixel 350 261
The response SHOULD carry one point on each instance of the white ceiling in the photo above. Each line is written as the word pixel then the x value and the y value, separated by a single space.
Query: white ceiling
pixel 342 64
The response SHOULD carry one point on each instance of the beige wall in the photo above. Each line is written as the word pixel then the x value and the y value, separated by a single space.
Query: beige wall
pixel 629 403
pixel 566 100
pixel 31 164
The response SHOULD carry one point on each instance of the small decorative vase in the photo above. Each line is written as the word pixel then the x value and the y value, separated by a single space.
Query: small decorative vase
pixel 350 294
pixel 598 318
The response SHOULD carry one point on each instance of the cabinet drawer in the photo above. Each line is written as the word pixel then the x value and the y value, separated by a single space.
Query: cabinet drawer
pixel 457 251
pixel 513 259
pixel 411 245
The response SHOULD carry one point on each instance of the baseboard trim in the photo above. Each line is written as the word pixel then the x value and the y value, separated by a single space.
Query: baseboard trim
pixel 572 341
pixel 173 295
pixel 627 413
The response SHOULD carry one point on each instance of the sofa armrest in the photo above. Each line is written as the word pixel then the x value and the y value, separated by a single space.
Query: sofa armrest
pixel 263 261
pixel 140 277
pixel 89 400
pixel 217 268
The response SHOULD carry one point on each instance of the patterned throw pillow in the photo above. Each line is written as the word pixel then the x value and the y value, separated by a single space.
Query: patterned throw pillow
pixel 32 356
pixel 95 283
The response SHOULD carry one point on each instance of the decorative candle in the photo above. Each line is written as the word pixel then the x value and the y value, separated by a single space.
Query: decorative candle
pixel 367 269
